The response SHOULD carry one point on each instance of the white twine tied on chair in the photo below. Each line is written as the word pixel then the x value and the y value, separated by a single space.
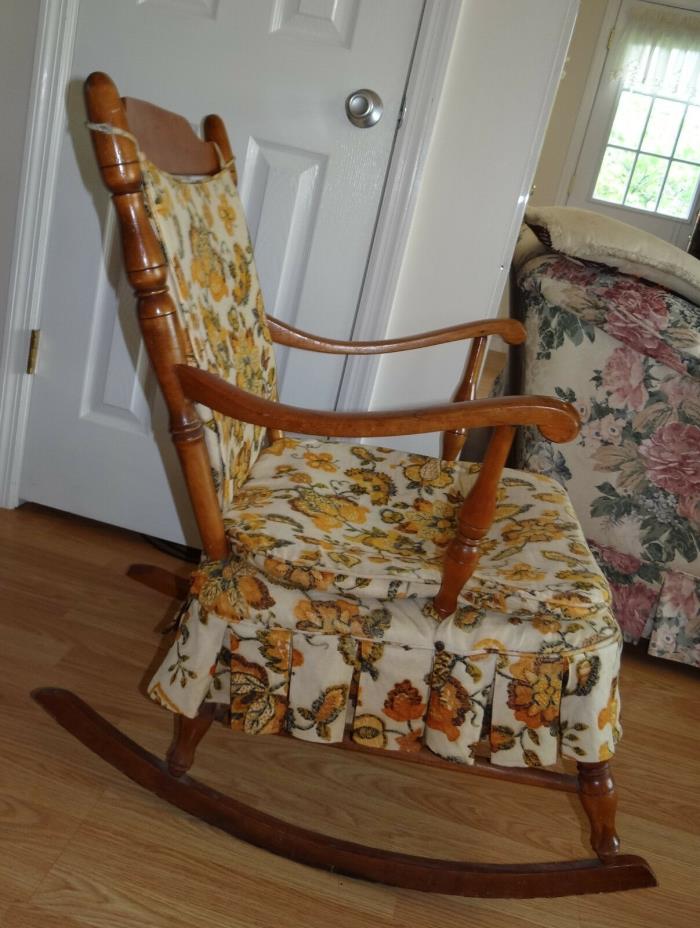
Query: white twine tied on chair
pixel 108 128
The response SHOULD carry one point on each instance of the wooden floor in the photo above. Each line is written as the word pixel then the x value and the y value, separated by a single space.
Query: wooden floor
pixel 80 846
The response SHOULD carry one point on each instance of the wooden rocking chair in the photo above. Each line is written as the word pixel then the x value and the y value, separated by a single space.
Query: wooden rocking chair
pixel 431 610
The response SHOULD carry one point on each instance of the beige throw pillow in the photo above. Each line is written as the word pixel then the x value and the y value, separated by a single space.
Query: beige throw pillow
pixel 594 237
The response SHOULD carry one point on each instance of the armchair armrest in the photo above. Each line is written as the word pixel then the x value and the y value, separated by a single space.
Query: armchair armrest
pixel 510 330
pixel 556 420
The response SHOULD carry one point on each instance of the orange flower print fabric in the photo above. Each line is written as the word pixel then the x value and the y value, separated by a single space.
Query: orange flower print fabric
pixel 329 515
pixel 460 696
pixel 319 699
pixel 392 698
pixel 526 708
pixel 321 624
pixel 215 287
pixel 259 681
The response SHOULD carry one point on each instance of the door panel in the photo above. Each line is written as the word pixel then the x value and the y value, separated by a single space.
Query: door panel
pixel 330 22
pixel 278 71
pixel 282 191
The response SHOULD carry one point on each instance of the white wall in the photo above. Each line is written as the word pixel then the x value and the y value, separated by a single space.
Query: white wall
pixel 18 25
pixel 501 81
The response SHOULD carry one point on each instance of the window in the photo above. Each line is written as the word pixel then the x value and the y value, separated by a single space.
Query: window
pixel 651 160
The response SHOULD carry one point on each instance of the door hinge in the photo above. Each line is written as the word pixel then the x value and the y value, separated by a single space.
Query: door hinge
pixel 33 350
pixel 610 38
pixel 571 184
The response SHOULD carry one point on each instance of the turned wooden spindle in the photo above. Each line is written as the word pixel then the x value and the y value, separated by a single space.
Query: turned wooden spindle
pixel 146 268
pixel 215 131
pixel 188 734
pixel 513 333
pixel 475 518
pixel 599 800
pixel 453 440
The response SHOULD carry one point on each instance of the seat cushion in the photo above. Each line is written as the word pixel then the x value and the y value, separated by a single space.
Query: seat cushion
pixel 376 522
pixel 322 621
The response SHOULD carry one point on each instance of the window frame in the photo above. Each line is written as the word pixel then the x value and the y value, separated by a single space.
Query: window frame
pixel 639 150
pixel 613 19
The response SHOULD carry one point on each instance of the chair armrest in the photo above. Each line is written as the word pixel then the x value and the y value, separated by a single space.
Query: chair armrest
pixel 510 331
pixel 556 420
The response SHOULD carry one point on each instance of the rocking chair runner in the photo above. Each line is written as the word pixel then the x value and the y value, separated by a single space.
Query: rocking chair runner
pixel 351 594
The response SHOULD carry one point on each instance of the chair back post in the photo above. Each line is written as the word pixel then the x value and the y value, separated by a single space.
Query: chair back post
pixel 453 441
pixel 146 269
pixel 214 131
pixel 475 518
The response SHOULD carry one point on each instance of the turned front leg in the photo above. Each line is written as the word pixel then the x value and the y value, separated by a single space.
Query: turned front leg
pixel 188 734
pixel 475 517
pixel 599 800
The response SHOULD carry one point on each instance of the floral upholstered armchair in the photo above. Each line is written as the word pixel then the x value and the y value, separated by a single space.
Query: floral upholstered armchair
pixel 614 328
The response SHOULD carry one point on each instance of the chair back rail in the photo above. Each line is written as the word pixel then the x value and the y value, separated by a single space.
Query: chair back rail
pixel 169 141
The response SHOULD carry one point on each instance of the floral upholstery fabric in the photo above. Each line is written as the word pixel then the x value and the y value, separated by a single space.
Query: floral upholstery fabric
pixel 357 518
pixel 215 286
pixel 322 620
pixel 626 353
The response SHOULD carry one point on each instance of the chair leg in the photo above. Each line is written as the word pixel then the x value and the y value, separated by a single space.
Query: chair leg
pixel 188 734
pixel 599 800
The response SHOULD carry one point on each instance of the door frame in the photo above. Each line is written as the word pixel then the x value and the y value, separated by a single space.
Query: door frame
pixel 595 73
pixel 58 20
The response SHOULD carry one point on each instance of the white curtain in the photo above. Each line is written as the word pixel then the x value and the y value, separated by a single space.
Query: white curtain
pixel 658 51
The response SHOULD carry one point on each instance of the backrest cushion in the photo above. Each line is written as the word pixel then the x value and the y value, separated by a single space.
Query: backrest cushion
pixel 214 284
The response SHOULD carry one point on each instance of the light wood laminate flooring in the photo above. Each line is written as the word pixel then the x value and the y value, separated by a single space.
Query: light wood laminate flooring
pixel 82 846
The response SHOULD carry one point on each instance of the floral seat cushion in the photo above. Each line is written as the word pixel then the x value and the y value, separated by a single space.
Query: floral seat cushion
pixel 346 639
pixel 376 522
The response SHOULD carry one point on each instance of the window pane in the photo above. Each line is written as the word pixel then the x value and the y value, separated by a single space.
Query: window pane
pixel 646 182
pixel 679 190
pixel 613 175
pixel 629 119
pixel 689 142
pixel 662 127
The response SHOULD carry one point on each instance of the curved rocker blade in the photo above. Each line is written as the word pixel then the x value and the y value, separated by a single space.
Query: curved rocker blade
pixel 327 853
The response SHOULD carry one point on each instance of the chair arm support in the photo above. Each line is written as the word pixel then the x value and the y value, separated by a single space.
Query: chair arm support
pixel 556 420
pixel 510 330
pixel 475 517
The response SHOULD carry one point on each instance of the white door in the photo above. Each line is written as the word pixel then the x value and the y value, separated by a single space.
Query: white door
pixel 279 72
pixel 640 158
